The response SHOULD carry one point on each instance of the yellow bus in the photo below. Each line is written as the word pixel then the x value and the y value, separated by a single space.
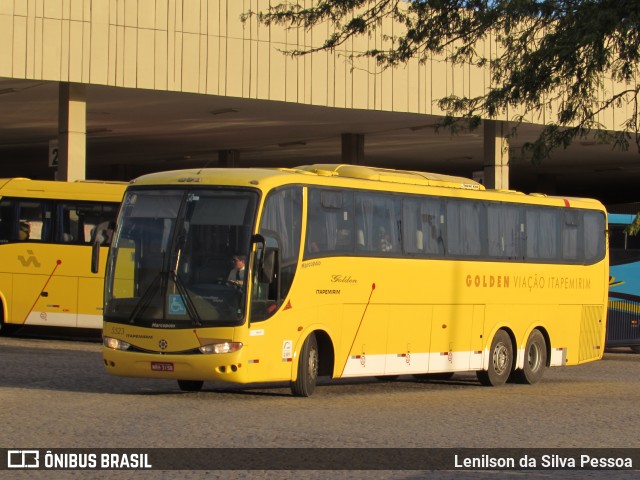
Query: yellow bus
pixel 350 271
pixel 47 230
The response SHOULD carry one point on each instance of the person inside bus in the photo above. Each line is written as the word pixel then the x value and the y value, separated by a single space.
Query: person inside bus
pixel 385 244
pixel 25 230
pixel 236 275
pixel 104 232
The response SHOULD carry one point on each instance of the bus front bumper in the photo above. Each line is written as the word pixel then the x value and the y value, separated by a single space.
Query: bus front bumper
pixel 216 367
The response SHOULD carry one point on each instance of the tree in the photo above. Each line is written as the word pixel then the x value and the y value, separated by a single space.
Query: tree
pixel 552 52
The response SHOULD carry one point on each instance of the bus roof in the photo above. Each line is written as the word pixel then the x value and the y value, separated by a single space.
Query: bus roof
pixel 392 176
pixel 352 176
pixel 79 190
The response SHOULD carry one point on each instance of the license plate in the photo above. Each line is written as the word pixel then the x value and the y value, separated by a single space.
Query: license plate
pixel 162 366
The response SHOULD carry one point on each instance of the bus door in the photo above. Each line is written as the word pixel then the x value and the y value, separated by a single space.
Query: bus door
pixel 273 332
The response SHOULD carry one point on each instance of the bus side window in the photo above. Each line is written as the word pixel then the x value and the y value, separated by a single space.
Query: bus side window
pixel 422 229
pixel 38 216
pixel 594 236
pixel 504 231
pixel 464 236
pixel 68 224
pixel 7 225
pixel 97 223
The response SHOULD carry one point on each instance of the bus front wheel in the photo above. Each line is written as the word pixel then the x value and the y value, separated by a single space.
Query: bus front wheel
pixel 305 384
pixel 535 359
pixel 500 361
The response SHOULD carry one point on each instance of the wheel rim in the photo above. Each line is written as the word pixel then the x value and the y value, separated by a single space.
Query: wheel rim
pixel 313 364
pixel 500 358
pixel 533 357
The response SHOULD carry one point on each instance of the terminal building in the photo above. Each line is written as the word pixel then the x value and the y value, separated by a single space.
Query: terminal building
pixel 112 89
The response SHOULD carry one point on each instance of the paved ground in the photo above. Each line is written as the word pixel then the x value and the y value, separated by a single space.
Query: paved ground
pixel 55 394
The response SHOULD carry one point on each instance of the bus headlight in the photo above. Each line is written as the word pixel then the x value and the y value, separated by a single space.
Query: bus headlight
pixel 115 344
pixel 226 347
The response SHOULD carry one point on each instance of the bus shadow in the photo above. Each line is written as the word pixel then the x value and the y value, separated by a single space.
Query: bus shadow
pixel 78 367
pixel 49 359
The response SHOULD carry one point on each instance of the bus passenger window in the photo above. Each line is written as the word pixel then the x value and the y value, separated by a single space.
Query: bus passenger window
pixel 7 216
pixel 594 236
pixel 329 222
pixel 38 216
pixel 377 220
pixel 570 232
pixel 422 226
pixel 504 231
pixel 541 233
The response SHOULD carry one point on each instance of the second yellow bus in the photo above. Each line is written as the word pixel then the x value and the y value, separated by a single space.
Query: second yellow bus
pixel 47 230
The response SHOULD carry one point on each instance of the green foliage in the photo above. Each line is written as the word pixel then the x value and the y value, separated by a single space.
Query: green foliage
pixel 552 52
pixel 634 227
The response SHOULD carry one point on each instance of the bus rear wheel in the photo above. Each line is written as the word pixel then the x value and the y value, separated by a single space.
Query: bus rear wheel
pixel 190 385
pixel 305 384
pixel 535 359
pixel 500 361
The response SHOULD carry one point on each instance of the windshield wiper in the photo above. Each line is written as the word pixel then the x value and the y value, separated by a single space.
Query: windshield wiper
pixel 190 307
pixel 146 298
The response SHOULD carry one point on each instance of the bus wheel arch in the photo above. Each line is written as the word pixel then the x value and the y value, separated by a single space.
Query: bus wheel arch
pixel 316 359
pixel 5 328
pixel 536 358
pixel 326 353
pixel 3 315
pixel 501 359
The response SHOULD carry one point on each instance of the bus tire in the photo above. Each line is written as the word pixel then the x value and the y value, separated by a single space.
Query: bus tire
pixel 305 383
pixel 6 328
pixel 190 385
pixel 535 359
pixel 500 361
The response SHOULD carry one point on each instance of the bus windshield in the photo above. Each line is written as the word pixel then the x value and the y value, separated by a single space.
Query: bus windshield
pixel 174 262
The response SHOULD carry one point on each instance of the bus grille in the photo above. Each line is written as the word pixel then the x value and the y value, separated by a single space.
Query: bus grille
pixel 591 333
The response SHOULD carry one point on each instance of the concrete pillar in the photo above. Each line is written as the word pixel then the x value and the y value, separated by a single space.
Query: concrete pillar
pixel 496 155
pixel 228 158
pixel 353 148
pixel 72 132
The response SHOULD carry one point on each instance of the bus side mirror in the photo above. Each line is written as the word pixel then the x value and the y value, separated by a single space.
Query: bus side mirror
pixel 95 257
